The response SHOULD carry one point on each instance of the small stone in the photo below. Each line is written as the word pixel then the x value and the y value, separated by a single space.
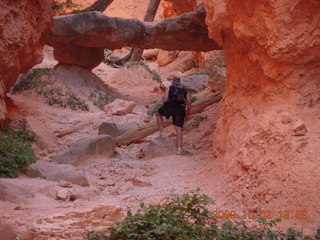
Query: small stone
pixel 110 183
pixel 64 194
pixel 299 128
pixel 17 207
pixel 141 183
pixel 286 118
pixel 300 133
pixel 65 184
pixel 299 125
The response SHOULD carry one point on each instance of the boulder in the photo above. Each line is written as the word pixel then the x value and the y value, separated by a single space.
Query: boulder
pixel 120 107
pixel 195 82
pixel 87 57
pixel 91 146
pixel 58 172
pixel 150 54
pixel 160 148
pixel 166 57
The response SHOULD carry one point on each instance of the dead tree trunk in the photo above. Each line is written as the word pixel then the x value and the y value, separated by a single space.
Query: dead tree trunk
pixel 149 17
pixel 152 127
pixel 99 5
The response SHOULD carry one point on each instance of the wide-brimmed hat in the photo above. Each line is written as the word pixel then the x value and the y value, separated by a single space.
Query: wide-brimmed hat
pixel 176 80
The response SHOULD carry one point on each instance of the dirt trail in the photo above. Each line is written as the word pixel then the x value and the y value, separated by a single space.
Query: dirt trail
pixel 125 179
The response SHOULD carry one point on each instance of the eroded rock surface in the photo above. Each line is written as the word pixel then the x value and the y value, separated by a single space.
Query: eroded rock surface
pixel 273 66
pixel 95 30
pixel 24 27
pixel 75 225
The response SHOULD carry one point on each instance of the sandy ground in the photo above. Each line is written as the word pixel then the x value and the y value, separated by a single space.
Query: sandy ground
pixel 112 180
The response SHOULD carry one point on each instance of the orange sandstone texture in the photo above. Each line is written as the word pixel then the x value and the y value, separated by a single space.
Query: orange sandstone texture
pixel 24 27
pixel 272 49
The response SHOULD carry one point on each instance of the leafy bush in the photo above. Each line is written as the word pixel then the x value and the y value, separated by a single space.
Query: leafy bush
pixel 15 151
pixel 101 98
pixel 188 217
pixel 185 217
pixel 34 80
pixel 195 121
pixel 41 80
pixel 189 65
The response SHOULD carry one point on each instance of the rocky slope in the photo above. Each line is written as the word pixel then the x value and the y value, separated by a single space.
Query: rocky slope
pixel 25 24
pixel 267 138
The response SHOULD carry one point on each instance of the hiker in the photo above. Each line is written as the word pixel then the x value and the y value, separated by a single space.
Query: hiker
pixel 177 104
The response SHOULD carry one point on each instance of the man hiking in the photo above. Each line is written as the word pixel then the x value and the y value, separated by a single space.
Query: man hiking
pixel 177 104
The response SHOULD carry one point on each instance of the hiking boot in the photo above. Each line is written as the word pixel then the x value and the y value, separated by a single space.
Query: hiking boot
pixel 161 136
pixel 181 151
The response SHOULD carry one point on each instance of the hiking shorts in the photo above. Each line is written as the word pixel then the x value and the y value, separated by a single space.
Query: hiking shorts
pixel 176 111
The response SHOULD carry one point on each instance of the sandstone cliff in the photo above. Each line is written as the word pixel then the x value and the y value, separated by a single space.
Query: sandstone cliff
pixel 272 50
pixel 24 27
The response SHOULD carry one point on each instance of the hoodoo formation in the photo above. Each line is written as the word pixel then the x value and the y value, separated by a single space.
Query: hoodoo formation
pixel 25 26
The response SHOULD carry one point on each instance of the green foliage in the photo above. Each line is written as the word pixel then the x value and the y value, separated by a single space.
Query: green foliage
pixel 188 217
pixel 196 73
pixel 34 79
pixel 41 81
pixel 185 217
pixel 101 98
pixel 155 75
pixel 155 109
pixel 195 121
pixel 97 235
pixel 194 99
pixel 317 236
pixel 15 151
pixel 190 64
pixel 58 6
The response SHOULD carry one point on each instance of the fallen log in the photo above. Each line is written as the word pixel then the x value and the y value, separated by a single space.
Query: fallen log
pixel 152 127
pixel 69 131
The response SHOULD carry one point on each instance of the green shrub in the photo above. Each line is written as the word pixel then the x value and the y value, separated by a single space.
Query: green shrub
pixel 15 151
pixel 195 121
pixel 185 217
pixel 101 98
pixel 194 99
pixel 189 65
pixel 188 217
pixel 41 80
pixel 34 80
pixel 196 73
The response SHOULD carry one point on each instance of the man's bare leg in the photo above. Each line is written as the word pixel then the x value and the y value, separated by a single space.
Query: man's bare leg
pixel 179 139
pixel 160 124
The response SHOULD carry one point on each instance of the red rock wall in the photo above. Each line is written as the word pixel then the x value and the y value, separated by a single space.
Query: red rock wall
pixel 273 80
pixel 24 27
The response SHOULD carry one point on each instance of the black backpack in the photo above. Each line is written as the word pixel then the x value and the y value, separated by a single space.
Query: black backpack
pixel 179 93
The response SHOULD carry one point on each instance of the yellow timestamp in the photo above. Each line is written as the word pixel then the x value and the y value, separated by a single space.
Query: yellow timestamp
pixel 266 214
